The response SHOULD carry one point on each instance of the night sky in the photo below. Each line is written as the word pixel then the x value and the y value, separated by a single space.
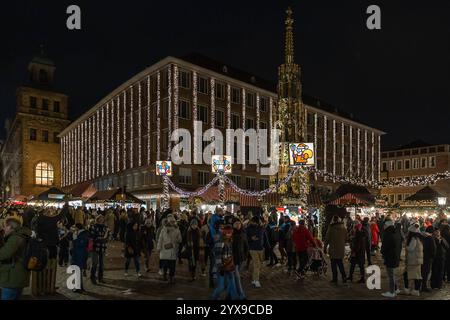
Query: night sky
pixel 396 79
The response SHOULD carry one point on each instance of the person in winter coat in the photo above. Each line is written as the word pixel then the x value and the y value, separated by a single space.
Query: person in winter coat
pixel 147 238
pixel 375 232
pixel 288 234
pixel 272 236
pixel 64 237
pixel 255 236
pixel 240 253
pixel 358 252
pixel 367 230
pixel 390 249
pixel 192 248
pixel 110 220
pixel 122 225
pixel 132 247
pixel 99 233
pixel 335 238
pixel 437 269
pixel 302 239
pixel 414 261
pixel 445 234
pixel 168 242
pixel 13 275
pixel 429 252
pixel 79 216
pixel 183 226
pixel 224 265
pixel 80 240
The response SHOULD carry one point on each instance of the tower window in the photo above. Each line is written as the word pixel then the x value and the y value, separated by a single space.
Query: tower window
pixel 45 136
pixel 33 103
pixel 45 104
pixel 33 134
pixel 43 76
pixel 44 174
pixel 56 107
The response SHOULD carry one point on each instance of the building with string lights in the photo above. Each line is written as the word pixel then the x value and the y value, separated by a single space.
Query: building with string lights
pixel 117 141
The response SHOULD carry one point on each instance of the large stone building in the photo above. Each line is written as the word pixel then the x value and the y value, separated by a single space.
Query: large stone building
pixel 31 159
pixel 413 160
pixel 117 141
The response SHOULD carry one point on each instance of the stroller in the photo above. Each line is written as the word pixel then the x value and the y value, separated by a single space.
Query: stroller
pixel 316 262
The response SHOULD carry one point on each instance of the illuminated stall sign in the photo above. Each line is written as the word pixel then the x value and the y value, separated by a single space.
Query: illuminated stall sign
pixel 221 164
pixel 164 168
pixel 301 154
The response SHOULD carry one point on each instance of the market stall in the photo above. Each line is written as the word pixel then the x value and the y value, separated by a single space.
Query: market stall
pixel 113 198
pixel 426 203
pixel 356 199
pixel 52 197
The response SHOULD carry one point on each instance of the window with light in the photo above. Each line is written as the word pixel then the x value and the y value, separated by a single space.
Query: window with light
pixel 44 174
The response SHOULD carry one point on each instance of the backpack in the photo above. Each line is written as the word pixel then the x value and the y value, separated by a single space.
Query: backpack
pixel 36 255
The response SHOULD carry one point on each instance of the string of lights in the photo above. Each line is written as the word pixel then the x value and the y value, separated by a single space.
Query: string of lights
pixel 258 120
pixel 149 150
pixel 158 115
pixel 194 112
pixel 243 128
pixel 169 112
pixel 140 125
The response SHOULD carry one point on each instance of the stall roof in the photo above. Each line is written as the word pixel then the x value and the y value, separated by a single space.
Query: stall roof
pixel 425 194
pixel 111 195
pixel 52 194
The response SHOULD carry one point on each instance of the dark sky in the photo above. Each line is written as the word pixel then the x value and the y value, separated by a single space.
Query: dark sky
pixel 396 79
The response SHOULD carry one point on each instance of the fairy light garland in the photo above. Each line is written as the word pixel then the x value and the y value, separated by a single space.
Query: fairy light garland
pixel 169 112
pixel 124 130
pixel 325 123
pixel 373 150
pixel 97 144
pixel 315 137
pixel 379 158
pixel 342 149
pixel 194 112
pixel 212 84
pixel 139 126
pixel 359 153
pixel 118 135
pixel 113 104
pixel 228 151
pixel 243 128
pixel 334 148
pixel 107 139
pixel 175 101
pixel 131 128
pixel 350 151
pixel 102 142
pixel 257 127
pixel 149 150
pixel 158 116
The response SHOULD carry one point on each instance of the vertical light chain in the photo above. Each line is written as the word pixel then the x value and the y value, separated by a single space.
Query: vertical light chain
pixel 106 160
pixel 365 154
pixel 343 173
pixel 158 116
pixel 334 149
pixel 169 112
pixel 82 151
pixel 175 101
pixel 257 129
pixel 102 140
pixel 213 102
pixel 243 128
pixel 79 153
pixel 350 151
pixel 270 124
pixel 358 157
pixel 194 112
pixel 131 127
pixel 118 134
pixel 72 160
pixel 97 143
pixel 379 158
pixel 149 150
pixel 228 151
pixel 124 159
pixel 89 148
pixel 85 150
pixel 139 126
pixel 69 159
pixel 325 145
pixel 315 141
pixel 113 147
pixel 373 159
pixel 62 158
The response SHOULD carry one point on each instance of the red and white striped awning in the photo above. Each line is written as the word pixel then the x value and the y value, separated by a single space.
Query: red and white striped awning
pixel 350 199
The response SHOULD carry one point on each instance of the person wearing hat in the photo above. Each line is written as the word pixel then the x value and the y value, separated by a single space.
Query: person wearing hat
pixel 99 233
pixel 169 241
pixel 414 260
pixel 390 250
pixel 192 248
pixel 13 275
pixel 429 252
pixel 183 226
pixel 255 236
pixel 335 238
pixel 437 269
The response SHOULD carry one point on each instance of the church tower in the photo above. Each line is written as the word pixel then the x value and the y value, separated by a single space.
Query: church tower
pixel 31 155
pixel 290 119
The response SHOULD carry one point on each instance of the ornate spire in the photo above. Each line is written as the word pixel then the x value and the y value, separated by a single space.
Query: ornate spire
pixel 289 41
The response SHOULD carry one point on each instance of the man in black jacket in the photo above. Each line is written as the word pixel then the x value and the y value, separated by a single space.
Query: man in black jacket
pixel 429 251
pixel 390 250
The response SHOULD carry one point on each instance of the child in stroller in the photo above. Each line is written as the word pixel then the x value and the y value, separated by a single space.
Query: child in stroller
pixel 316 261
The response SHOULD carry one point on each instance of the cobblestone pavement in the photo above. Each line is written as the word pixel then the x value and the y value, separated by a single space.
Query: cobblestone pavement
pixel 276 285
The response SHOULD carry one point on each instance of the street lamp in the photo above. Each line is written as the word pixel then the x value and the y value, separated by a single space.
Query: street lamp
pixel 442 201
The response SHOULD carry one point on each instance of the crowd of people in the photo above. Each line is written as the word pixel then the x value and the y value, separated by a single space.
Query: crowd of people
pixel 221 245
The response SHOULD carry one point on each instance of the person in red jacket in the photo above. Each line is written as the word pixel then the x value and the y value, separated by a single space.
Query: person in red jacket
pixel 375 231
pixel 302 240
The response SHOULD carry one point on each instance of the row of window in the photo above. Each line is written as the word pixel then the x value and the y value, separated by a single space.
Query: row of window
pixel 204 87
pixel 408 164
pixel 413 152
pixel 395 198
pixel 45 104
pixel 44 136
